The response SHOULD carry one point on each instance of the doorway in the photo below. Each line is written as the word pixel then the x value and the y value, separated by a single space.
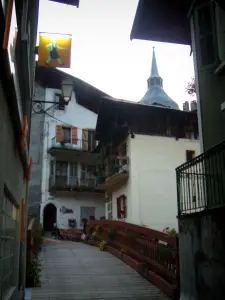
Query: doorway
pixel 49 217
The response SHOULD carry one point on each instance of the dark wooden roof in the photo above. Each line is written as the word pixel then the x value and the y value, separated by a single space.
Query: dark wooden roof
pixel 162 21
pixel 68 2
pixel 86 94
pixel 137 112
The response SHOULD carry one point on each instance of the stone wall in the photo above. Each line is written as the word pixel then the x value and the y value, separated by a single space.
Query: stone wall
pixel 202 255
pixel 36 152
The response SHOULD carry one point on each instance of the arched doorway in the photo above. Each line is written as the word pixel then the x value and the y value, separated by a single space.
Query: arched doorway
pixel 49 217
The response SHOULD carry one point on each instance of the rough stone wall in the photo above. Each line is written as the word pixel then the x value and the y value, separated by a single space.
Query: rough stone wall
pixel 202 259
pixel 36 152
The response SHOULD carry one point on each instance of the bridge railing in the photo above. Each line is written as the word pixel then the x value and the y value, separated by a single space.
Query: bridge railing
pixel 155 253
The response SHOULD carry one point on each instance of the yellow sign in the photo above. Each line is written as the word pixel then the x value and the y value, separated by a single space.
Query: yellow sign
pixel 54 50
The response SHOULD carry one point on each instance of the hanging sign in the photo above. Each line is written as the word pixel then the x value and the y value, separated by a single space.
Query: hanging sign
pixel 54 50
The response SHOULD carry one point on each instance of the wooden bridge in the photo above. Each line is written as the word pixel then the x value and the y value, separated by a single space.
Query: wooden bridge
pixel 139 263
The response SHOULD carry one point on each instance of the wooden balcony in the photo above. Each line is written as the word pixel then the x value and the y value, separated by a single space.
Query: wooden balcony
pixel 81 151
pixel 116 177
pixel 73 183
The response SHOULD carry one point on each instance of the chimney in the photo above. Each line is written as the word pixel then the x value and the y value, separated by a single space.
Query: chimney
pixel 193 105
pixel 186 106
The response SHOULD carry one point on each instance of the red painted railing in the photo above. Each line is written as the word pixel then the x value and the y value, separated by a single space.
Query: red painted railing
pixel 150 252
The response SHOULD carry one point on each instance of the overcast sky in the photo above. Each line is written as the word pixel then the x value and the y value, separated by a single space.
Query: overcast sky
pixel 103 54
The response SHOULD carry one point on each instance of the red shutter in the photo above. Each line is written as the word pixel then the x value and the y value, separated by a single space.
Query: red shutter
pixel 74 135
pixel 58 133
pixel 85 139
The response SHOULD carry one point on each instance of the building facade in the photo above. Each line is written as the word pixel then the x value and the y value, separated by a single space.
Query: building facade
pixel 65 186
pixel 141 145
pixel 18 29
pixel 200 183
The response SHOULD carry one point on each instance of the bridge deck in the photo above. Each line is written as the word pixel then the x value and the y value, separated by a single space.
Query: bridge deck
pixel 77 271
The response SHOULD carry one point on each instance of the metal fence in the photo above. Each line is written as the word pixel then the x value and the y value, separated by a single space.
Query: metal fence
pixel 72 182
pixel 200 181
pixel 80 144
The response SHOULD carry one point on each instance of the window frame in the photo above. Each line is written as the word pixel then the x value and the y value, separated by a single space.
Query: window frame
pixel 215 63
pixel 192 152
pixel 67 141
pixel 119 210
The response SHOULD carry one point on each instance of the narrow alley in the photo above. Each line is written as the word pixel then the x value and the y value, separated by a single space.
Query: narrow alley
pixel 76 271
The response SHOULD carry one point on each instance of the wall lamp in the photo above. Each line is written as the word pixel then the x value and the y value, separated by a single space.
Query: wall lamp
pixel 66 89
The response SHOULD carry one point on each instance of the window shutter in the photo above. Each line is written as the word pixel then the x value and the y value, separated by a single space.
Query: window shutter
pixel 58 133
pixel 74 135
pixel 85 139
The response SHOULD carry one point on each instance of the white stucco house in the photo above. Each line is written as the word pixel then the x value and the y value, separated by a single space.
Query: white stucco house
pixel 140 145
pixel 69 188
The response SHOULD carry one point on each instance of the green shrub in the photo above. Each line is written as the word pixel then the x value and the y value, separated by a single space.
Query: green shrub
pixel 103 245
pixel 35 272
pixel 170 231
pixel 94 234
pixel 99 228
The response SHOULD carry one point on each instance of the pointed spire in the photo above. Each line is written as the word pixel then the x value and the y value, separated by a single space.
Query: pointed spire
pixel 154 79
pixel 154 71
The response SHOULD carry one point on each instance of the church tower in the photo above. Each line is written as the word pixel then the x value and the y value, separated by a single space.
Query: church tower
pixel 155 94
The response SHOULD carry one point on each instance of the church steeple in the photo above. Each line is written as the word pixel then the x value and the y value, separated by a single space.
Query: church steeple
pixel 155 94
pixel 154 79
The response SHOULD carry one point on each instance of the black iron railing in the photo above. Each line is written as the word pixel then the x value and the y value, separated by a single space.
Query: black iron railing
pixel 71 182
pixel 201 181
pixel 78 144
pixel 117 165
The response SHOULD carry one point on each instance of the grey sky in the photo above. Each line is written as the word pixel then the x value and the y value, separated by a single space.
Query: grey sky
pixel 104 56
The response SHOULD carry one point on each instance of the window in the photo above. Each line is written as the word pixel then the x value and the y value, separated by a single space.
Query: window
pixel 8 250
pixel 61 173
pixel 190 154
pixel 206 35
pixel 66 134
pixel 59 99
pixel 88 139
pixel 121 207
pixel 91 140
pixel 73 174
pixel 109 207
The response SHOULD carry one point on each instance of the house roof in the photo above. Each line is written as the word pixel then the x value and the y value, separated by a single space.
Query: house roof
pixel 86 94
pixel 155 94
pixel 68 2
pixel 162 21
pixel 134 111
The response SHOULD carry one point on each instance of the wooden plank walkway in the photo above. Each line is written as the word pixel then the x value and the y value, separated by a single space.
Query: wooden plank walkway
pixel 77 271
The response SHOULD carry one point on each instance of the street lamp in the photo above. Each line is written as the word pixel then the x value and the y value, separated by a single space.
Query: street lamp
pixel 66 89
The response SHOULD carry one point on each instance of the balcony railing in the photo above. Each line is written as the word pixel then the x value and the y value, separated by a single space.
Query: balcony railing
pixel 200 182
pixel 81 145
pixel 72 182
pixel 119 166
